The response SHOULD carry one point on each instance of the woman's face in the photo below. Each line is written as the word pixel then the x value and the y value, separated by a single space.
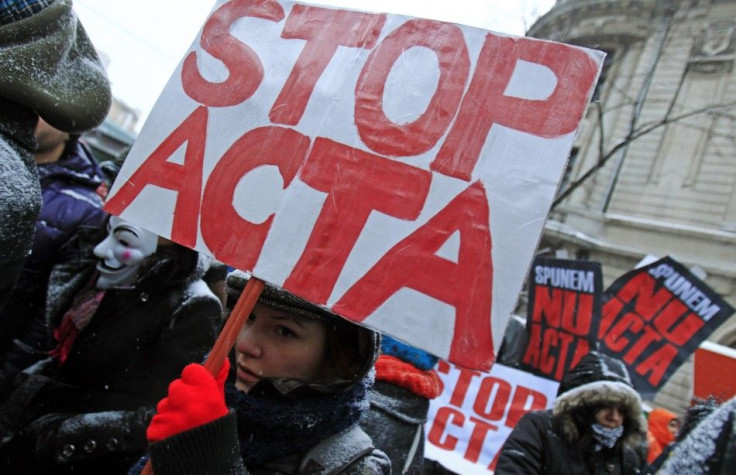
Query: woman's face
pixel 277 344
pixel 122 252
pixel 610 417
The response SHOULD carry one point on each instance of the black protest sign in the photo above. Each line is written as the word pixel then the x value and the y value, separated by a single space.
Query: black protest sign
pixel 563 314
pixel 655 317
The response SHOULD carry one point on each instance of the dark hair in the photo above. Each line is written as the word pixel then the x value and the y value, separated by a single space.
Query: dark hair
pixel 173 263
pixel 346 347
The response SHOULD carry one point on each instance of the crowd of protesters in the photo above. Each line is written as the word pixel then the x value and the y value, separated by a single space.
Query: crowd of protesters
pixel 104 328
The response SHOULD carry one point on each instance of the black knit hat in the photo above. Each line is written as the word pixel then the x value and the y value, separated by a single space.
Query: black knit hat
pixel 594 367
pixel 276 298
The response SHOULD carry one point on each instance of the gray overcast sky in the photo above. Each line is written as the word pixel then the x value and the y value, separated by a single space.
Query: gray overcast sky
pixel 144 40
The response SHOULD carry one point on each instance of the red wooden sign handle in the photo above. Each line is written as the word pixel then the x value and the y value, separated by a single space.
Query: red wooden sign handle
pixel 228 335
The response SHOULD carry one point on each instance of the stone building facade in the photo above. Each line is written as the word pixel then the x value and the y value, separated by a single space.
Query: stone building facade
pixel 664 122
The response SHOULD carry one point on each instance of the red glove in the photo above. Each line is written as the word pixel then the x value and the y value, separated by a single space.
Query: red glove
pixel 195 399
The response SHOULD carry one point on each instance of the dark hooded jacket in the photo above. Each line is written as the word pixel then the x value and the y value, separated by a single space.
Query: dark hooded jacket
pixel 72 209
pixel 49 68
pixel 88 415
pixel 558 441
pixel 279 417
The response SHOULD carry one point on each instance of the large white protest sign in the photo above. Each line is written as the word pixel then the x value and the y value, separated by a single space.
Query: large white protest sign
pixel 394 169
pixel 469 422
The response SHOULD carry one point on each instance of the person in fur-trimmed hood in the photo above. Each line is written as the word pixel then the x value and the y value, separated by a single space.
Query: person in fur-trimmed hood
pixel 596 426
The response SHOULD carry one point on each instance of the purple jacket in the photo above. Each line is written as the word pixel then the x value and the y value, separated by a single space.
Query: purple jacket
pixel 72 193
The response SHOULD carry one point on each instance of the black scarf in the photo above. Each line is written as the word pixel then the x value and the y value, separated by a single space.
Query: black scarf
pixel 272 425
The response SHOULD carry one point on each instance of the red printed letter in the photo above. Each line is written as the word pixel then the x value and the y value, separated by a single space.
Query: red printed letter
pixel 244 67
pixel 355 183
pixel 657 364
pixel 445 415
pixel 640 290
pixel 677 323
pixel 547 361
pixel 547 305
pixel 325 30
pixel 461 387
pixel 477 439
pixel 533 347
pixel 485 103
pixel 379 132
pixel 521 404
pixel 615 340
pixel 231 238
pixel 186 179
pixel 565 340
pixel 649 336
pixel 466 285
pixel 577 313
pixel 500 398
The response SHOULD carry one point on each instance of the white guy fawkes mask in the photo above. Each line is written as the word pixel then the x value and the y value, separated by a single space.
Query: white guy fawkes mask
pixel 122 252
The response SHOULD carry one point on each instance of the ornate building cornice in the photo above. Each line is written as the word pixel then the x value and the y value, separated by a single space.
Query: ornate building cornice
pixel 598 22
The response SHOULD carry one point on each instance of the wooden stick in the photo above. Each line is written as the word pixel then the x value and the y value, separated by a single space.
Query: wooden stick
pixel 228 335
pixel 234 323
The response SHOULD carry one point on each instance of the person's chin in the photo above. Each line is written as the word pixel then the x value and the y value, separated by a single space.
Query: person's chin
pixel 245 378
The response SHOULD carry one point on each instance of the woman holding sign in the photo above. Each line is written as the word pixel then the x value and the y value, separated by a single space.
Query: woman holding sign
pixel 298 386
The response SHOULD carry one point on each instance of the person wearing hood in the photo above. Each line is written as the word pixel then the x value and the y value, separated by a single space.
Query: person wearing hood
pixel 596 426
pixel 144 316
pixel 72 191
pixel 49 69
pixel 709 448
pixel 662 430
pixel 291 404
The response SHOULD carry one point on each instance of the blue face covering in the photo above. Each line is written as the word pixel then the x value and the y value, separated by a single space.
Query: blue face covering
pixel 605 436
